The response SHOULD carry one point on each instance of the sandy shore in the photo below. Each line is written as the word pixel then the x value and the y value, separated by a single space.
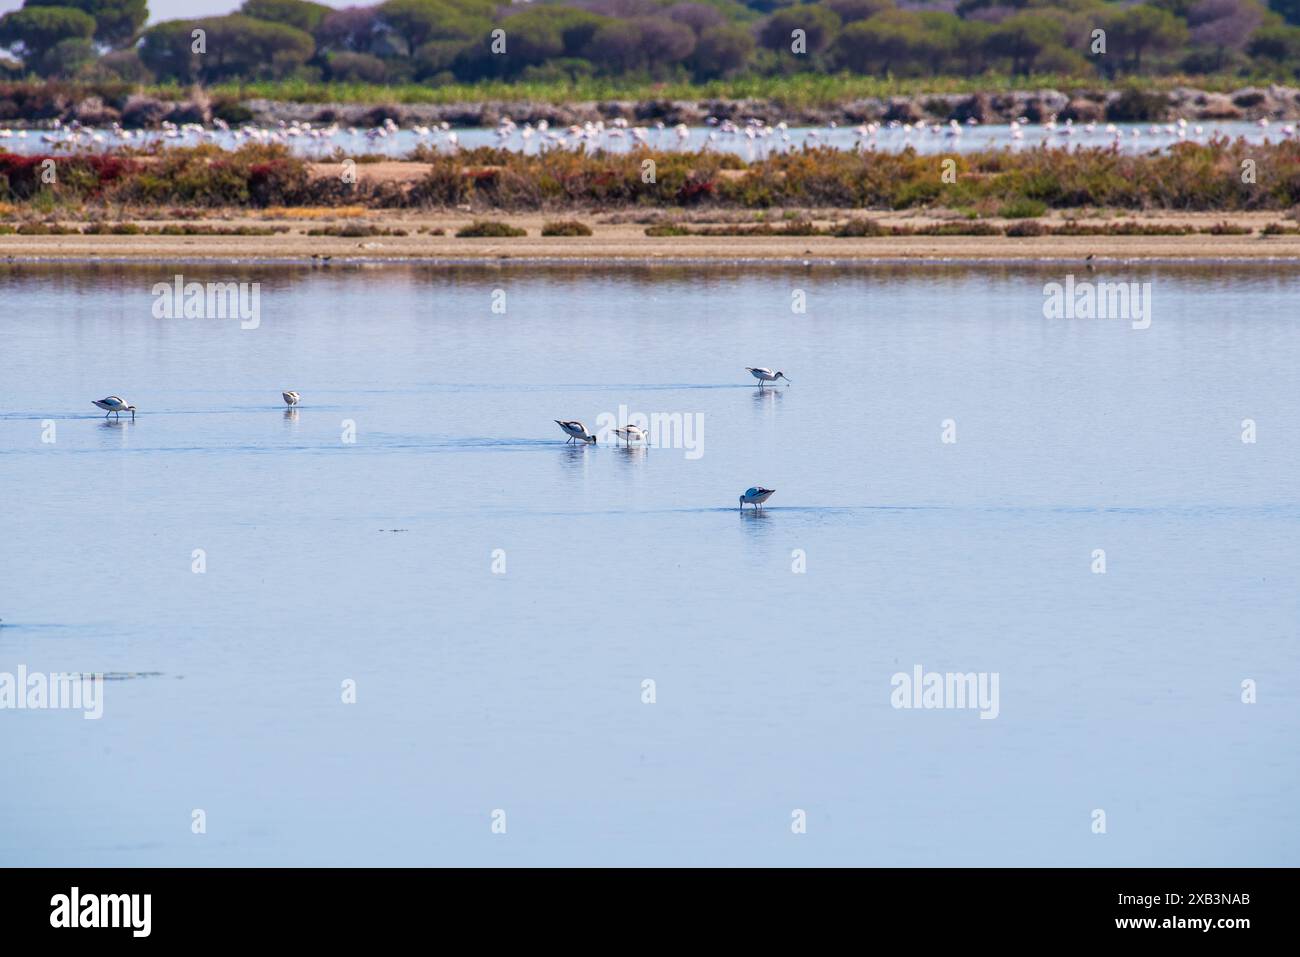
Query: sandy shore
pixel 615 241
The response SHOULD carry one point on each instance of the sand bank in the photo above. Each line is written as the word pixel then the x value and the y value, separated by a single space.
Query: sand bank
pixel 615 241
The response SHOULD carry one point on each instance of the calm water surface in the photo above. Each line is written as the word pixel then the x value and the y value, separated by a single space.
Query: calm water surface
pixel 372 561
pixel 319 140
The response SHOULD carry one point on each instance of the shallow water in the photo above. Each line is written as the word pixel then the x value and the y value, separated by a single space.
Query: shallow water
pixel 373 561
pixel 319 140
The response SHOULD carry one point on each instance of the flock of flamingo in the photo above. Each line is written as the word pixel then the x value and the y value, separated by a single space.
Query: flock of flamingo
pixel 619 133
pixel 755 495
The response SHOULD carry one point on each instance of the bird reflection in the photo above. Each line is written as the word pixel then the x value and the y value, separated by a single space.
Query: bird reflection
pixel 575 456
pixel 632 453
pixel 756 522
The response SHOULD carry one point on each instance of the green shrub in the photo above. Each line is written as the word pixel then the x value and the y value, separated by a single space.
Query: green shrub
pixel 957 229
pixel 860 227
pixel 1027 227
pixel 1023 209
pixel 355 230
pixel 1136 105
pixel 489 229
pixel 566 227
pixel 1226 229
pixel 1025 184
pixel 1122 229
pixel 667 229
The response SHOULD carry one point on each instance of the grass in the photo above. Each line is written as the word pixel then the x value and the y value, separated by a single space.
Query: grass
pixel 797 90
pixel 314 212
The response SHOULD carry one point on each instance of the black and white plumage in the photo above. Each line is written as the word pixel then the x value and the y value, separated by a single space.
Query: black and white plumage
pixel 291 398
pixel 765 375
pixel 755 496
pixel 630 432
pixel 576 431
pixel 114 405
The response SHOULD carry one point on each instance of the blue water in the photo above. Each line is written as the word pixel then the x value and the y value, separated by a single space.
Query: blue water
pixel 373 561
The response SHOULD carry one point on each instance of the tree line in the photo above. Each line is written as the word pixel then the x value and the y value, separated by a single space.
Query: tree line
pixel 443 41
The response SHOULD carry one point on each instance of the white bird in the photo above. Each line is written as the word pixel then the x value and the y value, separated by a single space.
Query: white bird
pixel 575 431
pixel 765 375
pixel 115 405
pixel 630 432
pixel 755 496
pixel 291 398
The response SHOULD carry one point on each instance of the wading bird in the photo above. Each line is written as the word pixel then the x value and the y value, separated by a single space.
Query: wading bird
pixel 291 398
pixel 755 496
pixel 630 432
pixel 114 405
pixel 575 431
pixel 765 375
